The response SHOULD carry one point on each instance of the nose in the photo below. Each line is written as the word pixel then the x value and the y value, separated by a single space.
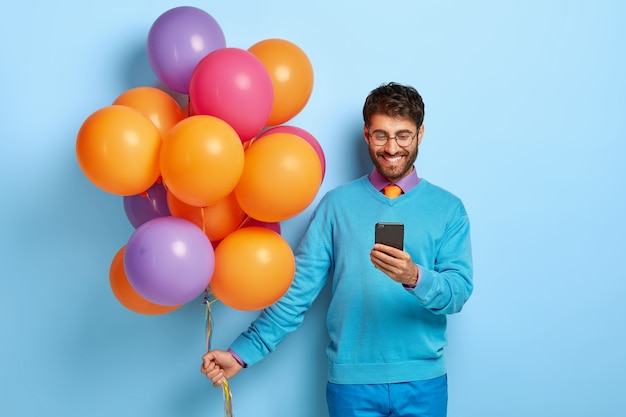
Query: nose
pixel 392 146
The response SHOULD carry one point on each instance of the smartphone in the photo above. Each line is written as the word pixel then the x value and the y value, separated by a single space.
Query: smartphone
pixel 390 233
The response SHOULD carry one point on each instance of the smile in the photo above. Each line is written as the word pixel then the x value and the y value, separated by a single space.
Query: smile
pixel 393 159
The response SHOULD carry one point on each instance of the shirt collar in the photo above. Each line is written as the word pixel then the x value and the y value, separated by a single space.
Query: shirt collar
pixel 407 183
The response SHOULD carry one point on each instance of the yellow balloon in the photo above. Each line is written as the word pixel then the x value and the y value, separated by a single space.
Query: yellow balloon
pixel 117 149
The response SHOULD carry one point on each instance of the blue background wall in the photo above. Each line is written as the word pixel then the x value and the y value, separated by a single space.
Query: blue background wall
pixel 525 121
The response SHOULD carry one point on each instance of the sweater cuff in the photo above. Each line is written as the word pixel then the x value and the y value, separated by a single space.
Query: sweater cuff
pixel 237 358
pixel 412 287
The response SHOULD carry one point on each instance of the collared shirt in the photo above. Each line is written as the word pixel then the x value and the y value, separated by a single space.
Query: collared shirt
pixel 406 184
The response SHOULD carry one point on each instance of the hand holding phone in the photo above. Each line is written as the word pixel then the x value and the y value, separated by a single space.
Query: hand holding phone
pixel 390 233
pixel 400 268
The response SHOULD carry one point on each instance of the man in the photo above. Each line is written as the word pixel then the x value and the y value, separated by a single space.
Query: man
pixel 387 315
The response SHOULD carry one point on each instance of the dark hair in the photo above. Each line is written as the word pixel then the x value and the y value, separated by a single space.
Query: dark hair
pixel 394 100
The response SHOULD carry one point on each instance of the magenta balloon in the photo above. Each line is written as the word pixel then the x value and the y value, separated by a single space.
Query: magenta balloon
pixel 146 206
pixel 233 85
pixel 169 261
pixel 302 134
pixel 178 40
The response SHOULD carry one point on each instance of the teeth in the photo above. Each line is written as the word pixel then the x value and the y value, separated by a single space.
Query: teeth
pixel 394 159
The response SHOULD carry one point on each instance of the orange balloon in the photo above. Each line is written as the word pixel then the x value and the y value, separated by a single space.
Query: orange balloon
pixel 281 177
pixel 254 267
pixel 158 106
pixel 217 220
pixel 291 73
pixel 127 295
pixel 118 150
pixel 201 160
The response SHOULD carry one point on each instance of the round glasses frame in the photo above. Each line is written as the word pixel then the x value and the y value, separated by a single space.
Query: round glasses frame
pixel 402 139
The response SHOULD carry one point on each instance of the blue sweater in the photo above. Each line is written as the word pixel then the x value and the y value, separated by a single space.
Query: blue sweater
pixel 379 331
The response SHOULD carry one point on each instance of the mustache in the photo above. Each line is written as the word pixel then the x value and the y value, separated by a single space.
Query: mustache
pixel 402 152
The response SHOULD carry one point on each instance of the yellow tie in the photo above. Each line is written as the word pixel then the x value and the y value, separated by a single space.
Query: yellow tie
pixel 392 191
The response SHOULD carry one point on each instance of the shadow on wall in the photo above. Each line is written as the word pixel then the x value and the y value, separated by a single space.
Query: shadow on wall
pixel 135 70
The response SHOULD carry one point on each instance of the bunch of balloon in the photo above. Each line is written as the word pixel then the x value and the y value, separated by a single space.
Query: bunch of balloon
pixel 206 186
pixel 227 164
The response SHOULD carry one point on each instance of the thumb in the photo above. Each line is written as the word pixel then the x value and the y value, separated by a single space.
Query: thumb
pixel 208 358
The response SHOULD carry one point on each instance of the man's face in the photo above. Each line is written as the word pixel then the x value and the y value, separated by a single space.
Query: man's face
pixel 392 160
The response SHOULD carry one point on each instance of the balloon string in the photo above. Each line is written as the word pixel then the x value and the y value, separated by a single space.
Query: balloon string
pixel 153 203
pixel 209 321
pixel 203 224
pixel 248 143
pixel 228 398
pixel 243 222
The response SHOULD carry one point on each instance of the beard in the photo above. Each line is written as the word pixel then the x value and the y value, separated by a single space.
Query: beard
pixel 395 173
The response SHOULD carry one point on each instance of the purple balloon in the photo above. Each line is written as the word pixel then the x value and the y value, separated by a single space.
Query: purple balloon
pixel 169 261
pixel 178 40
pixel 146 206
pixel 301 133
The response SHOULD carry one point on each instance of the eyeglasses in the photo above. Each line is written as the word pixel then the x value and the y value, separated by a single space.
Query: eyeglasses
pixel 402 139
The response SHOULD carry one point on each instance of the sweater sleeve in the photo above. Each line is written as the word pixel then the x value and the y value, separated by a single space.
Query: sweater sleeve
pixel 313 262
pixel 445 288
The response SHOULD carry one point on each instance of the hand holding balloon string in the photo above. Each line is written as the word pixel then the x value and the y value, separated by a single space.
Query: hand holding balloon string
pixel 210 368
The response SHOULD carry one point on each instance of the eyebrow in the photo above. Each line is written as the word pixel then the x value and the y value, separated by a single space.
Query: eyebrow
pixel 397 131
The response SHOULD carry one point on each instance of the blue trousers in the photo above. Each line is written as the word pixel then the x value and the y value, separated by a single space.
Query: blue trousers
pixel 428 398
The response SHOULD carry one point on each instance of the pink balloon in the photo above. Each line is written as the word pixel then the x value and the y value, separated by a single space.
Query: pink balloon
pixel 301 133
pixel 169 261
pixel 233 85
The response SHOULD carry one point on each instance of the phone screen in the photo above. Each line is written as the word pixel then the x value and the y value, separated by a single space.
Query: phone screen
pixel 390 233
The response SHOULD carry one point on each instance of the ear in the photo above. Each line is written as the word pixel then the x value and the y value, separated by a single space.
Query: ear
pixel 365 134
pixel 420 134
